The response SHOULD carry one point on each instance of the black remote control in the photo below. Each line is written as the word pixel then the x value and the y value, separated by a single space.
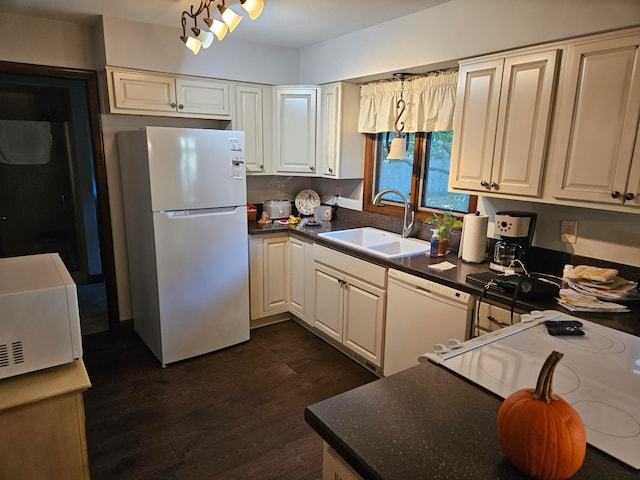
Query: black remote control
pixel 564 327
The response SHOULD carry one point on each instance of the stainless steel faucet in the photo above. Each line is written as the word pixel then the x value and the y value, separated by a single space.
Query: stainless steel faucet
pixel 406 229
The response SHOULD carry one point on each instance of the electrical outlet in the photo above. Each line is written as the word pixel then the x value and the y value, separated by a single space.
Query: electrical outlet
pixel 569 231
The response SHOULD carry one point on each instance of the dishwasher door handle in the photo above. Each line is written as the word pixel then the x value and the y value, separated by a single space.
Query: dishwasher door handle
pixel 424 290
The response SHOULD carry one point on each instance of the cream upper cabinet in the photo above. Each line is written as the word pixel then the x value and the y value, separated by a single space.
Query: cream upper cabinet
pixel 501 123
pixel 597 145
pixel 253 116
pixel 295 130
pixel 202 96
pixel 149 93
pixel 340 147
pixel 141 92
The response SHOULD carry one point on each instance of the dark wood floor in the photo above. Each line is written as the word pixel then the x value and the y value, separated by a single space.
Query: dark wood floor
pixel 233 414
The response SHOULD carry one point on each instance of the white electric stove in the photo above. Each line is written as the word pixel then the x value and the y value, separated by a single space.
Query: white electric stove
pixel 599 374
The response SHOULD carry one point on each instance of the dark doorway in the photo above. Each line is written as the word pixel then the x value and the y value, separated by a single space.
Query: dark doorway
pixel 53 190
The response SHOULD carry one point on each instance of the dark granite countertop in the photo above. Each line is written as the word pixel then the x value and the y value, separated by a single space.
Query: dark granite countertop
pixel 456 278
pixel 428 423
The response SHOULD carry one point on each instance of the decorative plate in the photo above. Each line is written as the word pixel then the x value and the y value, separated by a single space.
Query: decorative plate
pixel 306 202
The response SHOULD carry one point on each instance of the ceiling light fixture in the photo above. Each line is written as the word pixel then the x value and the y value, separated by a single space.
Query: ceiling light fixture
pixel 204 38
pixel 398 148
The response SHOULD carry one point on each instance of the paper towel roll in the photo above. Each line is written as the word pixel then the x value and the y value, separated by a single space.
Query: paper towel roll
pixel 473 243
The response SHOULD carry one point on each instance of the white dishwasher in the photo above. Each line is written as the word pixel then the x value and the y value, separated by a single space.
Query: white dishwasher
pixel 421 313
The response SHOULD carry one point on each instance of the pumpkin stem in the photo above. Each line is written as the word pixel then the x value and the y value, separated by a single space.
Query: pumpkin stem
pixel 543 387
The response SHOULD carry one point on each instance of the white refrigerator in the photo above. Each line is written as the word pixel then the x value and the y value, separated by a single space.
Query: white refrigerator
pixel 184 193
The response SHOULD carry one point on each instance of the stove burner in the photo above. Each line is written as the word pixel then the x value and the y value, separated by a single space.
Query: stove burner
pixel 595 342
pixel 607 419
pixel 519 369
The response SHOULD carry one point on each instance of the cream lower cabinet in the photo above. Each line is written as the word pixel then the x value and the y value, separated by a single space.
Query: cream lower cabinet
pixel 334 467
pixel 269 274
pixel 501 123
pixel 597 145
pixel 349 307
pixel 150 93
pixel 301 279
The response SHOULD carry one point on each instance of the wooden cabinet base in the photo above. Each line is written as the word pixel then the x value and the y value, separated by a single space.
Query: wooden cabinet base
pixel 43 424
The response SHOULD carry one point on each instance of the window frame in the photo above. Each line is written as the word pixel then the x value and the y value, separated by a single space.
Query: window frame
pixel 372 150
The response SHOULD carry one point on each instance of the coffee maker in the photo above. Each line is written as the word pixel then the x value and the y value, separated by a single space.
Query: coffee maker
pixel 515 230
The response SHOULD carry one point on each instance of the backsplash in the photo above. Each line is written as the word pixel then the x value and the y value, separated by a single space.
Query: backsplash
pixel 541 260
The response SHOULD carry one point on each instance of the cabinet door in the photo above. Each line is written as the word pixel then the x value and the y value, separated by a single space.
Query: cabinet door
pixel 328 287
pixel 275 274
pixel 249 118
pixel 300 257
pixel 598 120
pixel 141 91
pixel 364 319
pixel 295 135
pixel 329 127
pixel 633 186
pixel 523 123
pixel 334 467
pixel 202 97
pixel 475 121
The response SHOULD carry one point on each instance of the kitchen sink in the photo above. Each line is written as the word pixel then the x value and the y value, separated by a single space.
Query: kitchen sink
pixel 377 242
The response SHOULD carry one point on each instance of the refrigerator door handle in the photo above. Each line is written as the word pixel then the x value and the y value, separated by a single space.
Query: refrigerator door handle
pixel 200 212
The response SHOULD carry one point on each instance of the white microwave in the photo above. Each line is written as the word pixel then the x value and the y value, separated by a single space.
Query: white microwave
pixel 39 318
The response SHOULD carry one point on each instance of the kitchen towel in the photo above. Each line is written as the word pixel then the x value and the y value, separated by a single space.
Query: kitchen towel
pixel 473 243
pixel 25 142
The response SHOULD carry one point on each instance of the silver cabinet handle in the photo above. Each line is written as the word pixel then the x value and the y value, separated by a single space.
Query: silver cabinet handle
pixel 494 185
pixel 484 183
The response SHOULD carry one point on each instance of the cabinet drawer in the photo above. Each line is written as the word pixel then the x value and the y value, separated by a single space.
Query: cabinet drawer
pixel 371 273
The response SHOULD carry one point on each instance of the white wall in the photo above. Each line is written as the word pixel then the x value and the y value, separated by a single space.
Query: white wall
pixel 459 29
pixel 38 41
pixel 610 236
pixel 159 48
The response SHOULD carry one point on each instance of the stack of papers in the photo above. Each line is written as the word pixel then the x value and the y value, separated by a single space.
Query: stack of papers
pixel 617 289
pixel 575 301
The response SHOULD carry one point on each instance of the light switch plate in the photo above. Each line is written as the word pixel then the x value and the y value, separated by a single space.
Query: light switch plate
pixel 569 231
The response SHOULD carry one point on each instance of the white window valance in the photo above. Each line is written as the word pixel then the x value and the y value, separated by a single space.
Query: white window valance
pixel 430 101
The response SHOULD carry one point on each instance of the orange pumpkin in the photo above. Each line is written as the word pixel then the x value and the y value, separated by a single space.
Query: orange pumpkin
pixel 539 432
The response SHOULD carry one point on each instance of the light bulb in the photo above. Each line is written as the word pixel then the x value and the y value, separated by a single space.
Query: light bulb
pixel 192 44
pixel 206 38
pixel 398 149
pixel 253 7
pixel 219 28
pixel 231 18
